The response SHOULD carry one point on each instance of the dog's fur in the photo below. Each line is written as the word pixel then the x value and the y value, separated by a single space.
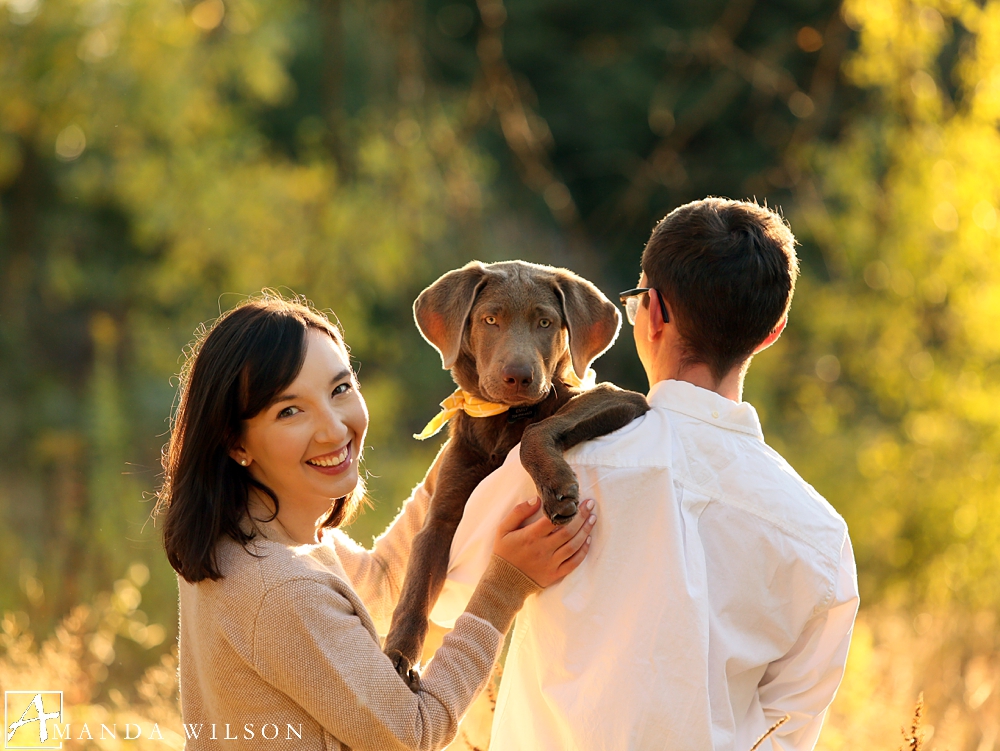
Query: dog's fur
pixel 510 333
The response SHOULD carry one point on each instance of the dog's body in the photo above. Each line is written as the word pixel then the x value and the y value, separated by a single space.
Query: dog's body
pixel 520 335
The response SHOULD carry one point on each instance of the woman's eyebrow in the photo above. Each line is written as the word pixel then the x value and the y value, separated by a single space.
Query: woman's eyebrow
pixel 346 373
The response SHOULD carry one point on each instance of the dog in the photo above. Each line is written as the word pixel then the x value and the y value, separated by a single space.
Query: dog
pixel 518 339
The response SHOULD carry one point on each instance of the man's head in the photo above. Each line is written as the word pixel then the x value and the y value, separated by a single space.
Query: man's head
pixel 726 270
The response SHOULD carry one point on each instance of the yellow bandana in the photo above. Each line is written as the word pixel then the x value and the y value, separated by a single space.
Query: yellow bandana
pixel 462 401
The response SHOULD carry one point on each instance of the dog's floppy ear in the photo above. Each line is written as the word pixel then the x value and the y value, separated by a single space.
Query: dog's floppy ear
pixel 592 319
pixel 442 310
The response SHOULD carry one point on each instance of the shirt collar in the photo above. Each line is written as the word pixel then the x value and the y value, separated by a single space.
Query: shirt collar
pixel 705 405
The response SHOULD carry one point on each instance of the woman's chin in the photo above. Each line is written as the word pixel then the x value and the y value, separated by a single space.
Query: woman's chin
pixel 340 485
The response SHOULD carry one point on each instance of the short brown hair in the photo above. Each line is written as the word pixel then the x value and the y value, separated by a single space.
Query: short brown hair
pixel 727 269
pixel 234 370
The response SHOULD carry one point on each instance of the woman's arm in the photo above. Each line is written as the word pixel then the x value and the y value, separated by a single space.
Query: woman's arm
pixel 327 661
pixel 310 642
pixel 377 574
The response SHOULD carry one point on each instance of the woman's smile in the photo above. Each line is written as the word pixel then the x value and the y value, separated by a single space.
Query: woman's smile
pixel 334 462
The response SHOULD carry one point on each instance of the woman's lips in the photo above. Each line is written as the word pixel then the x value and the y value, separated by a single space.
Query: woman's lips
pixel 334 463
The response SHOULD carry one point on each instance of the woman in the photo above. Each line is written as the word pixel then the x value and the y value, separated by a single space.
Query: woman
pixel 279 609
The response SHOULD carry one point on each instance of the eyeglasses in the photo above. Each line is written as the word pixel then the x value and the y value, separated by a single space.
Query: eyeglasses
pixel 630 299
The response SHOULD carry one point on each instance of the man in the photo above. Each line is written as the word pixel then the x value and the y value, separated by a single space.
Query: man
pixel 720 591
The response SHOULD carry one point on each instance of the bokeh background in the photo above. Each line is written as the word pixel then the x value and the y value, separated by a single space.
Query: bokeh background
pixel 162 159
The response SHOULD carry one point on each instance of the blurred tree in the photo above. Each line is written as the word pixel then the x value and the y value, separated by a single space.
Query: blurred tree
pixel 884 393
pixel 144 172
pixel 611 114
pixel 159 160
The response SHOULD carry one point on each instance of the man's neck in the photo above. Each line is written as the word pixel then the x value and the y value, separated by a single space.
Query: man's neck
pixel 700 375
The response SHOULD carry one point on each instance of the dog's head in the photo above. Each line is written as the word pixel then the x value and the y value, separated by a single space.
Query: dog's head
pixel 506 330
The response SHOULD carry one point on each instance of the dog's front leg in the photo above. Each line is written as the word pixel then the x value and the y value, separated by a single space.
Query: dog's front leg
pixel 461 470
pixel 595 412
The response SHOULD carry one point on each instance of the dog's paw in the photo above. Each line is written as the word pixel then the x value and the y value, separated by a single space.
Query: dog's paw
pixel 561 503
pixel 405 669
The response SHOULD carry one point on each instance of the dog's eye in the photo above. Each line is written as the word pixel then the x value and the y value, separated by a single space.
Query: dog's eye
pixel 491 320
pixel 545 323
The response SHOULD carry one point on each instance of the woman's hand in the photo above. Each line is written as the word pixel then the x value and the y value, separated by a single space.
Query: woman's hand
pixel 543 551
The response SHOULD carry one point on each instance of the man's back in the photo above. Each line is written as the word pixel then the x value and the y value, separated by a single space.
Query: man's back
pixel 718 595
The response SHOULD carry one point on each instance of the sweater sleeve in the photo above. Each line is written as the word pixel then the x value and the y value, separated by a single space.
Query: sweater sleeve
pixel 326 660
pixel 377 574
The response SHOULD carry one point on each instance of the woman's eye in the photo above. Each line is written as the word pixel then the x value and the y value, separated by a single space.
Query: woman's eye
pixel 545 323
pixel 491 320
pixel 342 389
pixel 288 412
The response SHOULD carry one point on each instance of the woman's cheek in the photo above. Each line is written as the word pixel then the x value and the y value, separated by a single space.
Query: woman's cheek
pixel 295 442
pixel 362 418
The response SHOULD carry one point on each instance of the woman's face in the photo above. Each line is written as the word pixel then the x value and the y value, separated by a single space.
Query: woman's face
pixel 305 445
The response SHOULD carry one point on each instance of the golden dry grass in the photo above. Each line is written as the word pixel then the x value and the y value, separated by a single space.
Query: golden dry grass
pixel 951 659
pixel 74 659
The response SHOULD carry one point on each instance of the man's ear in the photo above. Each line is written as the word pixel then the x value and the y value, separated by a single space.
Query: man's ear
pixel 656 320
pixel 773 336
pixel 591 318
pixel 442 310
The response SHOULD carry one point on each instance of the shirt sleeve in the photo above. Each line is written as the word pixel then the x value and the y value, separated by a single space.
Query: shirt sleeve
pixel 472 546
pixel 802 684
pixel 328 662
pixel 377 574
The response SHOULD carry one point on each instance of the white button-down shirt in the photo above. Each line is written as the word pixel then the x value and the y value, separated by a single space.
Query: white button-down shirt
pixel 719 594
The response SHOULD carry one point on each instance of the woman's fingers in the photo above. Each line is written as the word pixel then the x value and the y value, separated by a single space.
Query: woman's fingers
pixel 517 516
pixel 560 533
pixel 572 546
pixel 568 531
pixel 574 560
pixel 543 551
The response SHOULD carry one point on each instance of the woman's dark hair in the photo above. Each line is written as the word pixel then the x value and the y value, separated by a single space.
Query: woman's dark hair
pixel 235 369
pixel 728 269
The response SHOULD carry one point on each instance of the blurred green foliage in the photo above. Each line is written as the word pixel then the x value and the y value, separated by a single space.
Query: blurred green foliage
pixel 897 423
pixel 160 159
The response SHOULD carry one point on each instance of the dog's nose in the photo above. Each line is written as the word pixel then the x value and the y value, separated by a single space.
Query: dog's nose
pixel 517 375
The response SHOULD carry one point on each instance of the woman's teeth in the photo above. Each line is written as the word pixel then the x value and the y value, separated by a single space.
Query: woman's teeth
pixel 331 461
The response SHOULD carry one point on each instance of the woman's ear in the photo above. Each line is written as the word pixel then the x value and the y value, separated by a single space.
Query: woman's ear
pixel 240 456
pixel 773 336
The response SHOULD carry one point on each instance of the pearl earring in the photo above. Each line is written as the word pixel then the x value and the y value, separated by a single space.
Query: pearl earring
pixel 244 462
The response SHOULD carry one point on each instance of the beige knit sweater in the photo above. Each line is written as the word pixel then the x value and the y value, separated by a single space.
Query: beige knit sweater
pixel 284 652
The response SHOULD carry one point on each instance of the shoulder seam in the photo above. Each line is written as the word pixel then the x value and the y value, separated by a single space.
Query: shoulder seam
pixel 831 590
pixel 830 562
pixel 269 590
pixel 767 518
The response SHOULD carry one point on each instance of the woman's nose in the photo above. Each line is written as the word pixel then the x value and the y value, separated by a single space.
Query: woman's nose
pixel 332 427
